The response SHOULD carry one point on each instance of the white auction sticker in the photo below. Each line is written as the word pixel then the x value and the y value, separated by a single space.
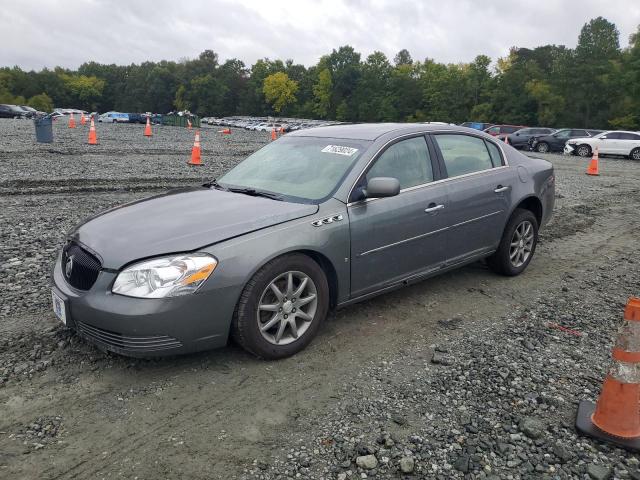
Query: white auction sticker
pixel 348 151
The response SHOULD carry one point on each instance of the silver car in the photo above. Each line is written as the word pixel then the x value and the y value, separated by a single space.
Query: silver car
pixel 319 219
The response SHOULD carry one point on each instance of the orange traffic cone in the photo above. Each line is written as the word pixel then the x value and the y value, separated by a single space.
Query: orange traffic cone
pixel 281 130
pixel 72 121
pixel 195 151
pixel 616 416
pixel 188 124
pixel 506 139
pixel 593 169
pixel 147 129
pixel 82 119
pixel 93 139
pixel 273 134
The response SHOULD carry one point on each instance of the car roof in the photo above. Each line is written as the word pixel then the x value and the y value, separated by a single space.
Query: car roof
pixel 370 131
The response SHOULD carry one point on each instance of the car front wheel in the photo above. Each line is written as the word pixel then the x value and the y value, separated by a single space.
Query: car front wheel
pixel 542 147
pixel 584 150
pixel 281 307
pixel 517 246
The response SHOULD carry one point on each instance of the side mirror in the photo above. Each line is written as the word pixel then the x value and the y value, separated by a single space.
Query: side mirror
pixel 603 138
pixel 517 134
pixel 380 187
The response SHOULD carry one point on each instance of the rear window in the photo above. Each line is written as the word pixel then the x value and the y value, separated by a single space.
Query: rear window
pixel 494 153
pixel 629 136
pixel 509 129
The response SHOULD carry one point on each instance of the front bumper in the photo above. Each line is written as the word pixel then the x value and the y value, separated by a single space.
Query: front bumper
pixel 569 149
pixel 140 327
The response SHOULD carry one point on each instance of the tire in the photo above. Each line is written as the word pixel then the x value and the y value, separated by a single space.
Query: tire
pixel 502 261
pixel 635 154
pixel 583 150
pixel 248 327
pixel 542 147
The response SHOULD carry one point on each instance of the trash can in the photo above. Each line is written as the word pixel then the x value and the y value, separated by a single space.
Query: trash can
pixel 44 129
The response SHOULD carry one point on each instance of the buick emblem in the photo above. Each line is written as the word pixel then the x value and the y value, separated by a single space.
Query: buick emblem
pixel 68 266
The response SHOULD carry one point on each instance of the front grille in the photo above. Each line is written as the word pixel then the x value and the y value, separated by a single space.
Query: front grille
pixel 120 342
pixel 79 267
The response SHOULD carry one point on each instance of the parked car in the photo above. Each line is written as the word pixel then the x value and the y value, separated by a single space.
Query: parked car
pixel 317 220
pixel 137 117
pixel 114 117
pixel 476 125
pixel 502 130
pixel 556 141
pixel 6 111
pixel 14 111
pixel 616 142
pixel 32 111
pixel 520 138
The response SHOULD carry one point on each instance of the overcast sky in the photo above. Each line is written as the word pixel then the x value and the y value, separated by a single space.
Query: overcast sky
pixel 35 34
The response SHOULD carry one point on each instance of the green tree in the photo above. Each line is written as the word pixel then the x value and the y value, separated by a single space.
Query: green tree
pixel 41 102
pixel 596 58
pixel 322 93
pixel 279 90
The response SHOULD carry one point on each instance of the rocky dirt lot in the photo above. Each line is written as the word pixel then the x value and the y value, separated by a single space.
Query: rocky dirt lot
pixel 468 375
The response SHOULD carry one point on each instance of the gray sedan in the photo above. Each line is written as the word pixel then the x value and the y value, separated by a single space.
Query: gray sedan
pixel 317 220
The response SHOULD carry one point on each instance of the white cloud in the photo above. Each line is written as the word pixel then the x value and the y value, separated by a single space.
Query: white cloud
pixel 70 32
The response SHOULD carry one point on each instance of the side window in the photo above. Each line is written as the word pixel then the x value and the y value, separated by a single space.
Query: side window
pixel 564 134
pixel 494 130
pixel 494 152
pixel 463 154
pixel 629 136
pixel 579 133
pixel 612 136
pixel 407 160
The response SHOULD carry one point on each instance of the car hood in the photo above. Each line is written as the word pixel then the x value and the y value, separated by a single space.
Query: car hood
pixel 180 221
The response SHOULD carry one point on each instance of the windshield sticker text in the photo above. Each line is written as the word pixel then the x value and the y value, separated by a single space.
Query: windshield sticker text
pixel 348 151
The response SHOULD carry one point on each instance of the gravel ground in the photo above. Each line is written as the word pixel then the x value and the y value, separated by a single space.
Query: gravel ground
pixel 467 375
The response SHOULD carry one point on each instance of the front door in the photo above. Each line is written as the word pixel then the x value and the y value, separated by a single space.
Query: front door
pixel 395 237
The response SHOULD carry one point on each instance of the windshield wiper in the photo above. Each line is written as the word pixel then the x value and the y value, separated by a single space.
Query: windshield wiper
pixel 256 193
pixel 214 183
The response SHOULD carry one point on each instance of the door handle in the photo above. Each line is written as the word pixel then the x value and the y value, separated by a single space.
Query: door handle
pixel 433 208
pixel 500 189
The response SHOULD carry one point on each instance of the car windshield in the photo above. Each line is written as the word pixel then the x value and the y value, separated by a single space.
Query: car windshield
pixel 306 169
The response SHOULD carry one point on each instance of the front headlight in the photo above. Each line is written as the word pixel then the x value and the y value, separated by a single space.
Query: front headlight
pixel 165 277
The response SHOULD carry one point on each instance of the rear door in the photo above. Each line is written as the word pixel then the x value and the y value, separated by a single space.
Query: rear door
pixel 610 143
pixel 628 141
pixel 479 187
pixel 395 237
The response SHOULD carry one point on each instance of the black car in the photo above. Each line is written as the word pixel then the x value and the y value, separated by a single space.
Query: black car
pixel 137 118
pixel 520 139
pixel 556 141
pixel 13 111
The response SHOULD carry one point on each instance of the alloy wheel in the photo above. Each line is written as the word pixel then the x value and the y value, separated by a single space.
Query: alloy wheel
pixel 543 147
pixel 583 151
pixel 521 244
pixel 287 307
pixel 636 154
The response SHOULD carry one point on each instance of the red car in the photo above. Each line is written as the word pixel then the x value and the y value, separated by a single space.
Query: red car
pixel 502 131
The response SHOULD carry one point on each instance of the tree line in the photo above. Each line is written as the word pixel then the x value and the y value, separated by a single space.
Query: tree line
pixel 595 85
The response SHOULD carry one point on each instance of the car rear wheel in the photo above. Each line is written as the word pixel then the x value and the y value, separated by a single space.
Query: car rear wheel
pixel 282 307
pixel 635 154
pixel 517 246
pixel 584 150
pixel 542 147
